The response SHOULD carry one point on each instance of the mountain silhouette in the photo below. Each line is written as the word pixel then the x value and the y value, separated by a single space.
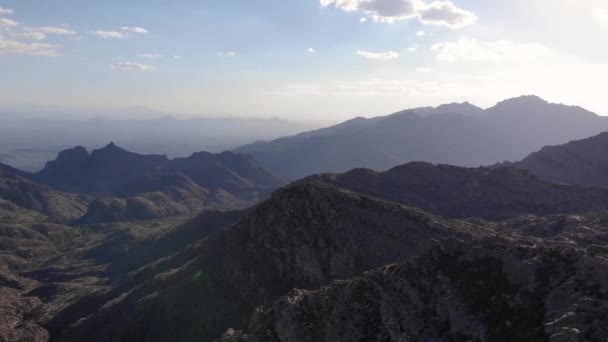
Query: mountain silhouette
pixel 456 134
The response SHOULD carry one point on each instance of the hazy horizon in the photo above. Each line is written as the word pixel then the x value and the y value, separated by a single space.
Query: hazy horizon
pixel 313 60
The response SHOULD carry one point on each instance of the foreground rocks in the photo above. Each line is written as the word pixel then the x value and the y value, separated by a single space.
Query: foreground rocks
pixel 492 289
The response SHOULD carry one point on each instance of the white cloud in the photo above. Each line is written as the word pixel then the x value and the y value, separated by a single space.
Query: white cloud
pixel 131 66
pixel 363 20
pixel 424 69
pixel 443 13
pixel 502 51
pixel 134 29
pixel 420 33
pixel 600 15
pixel 412 49
pixel 33 49
pixel 227 54
pixel 6 11
pixel 378 55
pixel 311 50
pixel 149 55
pixel 8 23
pixel 30 35
pixel 177 57
pixel 52 30
pixel 109 34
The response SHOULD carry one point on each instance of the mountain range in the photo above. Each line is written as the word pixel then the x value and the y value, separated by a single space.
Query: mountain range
pixel 456 134
pixel 112 245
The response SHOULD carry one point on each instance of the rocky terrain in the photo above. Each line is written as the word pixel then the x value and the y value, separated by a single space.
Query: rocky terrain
pixel 418 252
pixel 493 289
pixel 18 189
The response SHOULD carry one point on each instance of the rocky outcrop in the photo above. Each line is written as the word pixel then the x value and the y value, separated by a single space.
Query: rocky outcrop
pixel 488 290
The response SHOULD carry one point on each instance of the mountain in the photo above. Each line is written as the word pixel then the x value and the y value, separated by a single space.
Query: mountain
pixel 132 186
pixel 456 134
pixel 577 162
pixel 18 189
pixel 498 289
pixel 458 192
pixel 305 235
pixel 324 228
pixel 352 236
pixel 103 171
pixel 31 136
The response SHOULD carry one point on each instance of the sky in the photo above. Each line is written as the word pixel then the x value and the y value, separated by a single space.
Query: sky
pixel 301 59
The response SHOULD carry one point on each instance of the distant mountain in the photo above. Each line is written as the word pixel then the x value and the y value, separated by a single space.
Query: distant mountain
pixel 458 192
pixel 17 187
pixel 456 134
pixel 133 186
pixel 577 162
pixel 31 136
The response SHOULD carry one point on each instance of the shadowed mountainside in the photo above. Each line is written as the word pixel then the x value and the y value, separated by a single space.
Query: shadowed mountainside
pixel 132 186
pixel 459 192
pixel 18 189
pixel 577 162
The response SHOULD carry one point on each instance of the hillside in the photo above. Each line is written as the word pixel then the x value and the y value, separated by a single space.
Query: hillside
pixel 16 188
pixel 458 192
pixel 131 186
pixel 577 162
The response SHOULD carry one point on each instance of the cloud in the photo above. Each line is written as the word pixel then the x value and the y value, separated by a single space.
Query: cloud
pixel 109 34
pixel 227 54
pixel 311 50
pixel 6 11
pixel 30 35
pixel 420 33
pixel 424 69
pixel 149 55
pixel 51 30
pixel 443 13
pixel 131 66
pixel 378 55
pixel 33 49
pixel 8 23
pixel 134 29
pixel 412 49
pixel 363 20
pixel 502 51
pixel 600 15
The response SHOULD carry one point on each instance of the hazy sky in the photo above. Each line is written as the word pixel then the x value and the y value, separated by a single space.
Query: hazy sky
pixel 311 59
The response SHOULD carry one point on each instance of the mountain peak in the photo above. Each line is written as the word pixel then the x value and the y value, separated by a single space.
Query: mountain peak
pixel 525 100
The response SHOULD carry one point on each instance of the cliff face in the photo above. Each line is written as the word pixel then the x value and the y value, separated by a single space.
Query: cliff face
pixel 492 289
